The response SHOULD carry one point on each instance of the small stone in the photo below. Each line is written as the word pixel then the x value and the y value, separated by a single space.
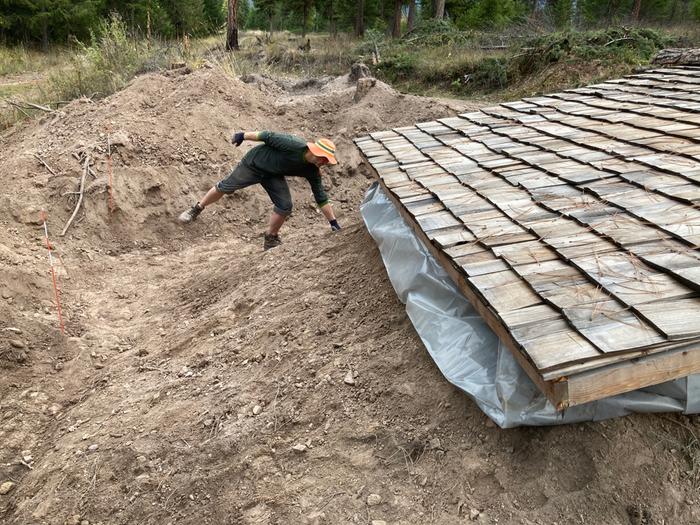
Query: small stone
pixel 300 448
pixel 374 500
pixel 435 444
pixel 257 409
pixel 6 487
pixel 349 378
pixel 315 518
pixel 378 522
pixel 17 343
pixel 85 522
pixel 474 513
pixel 93 447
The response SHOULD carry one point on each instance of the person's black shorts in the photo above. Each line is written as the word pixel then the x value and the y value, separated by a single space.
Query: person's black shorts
pixel 276 187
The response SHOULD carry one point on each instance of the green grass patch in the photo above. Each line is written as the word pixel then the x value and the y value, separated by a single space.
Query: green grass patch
pixel 19 59
pixel 18 89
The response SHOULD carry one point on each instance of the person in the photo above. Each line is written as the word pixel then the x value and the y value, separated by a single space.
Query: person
pixel 268 164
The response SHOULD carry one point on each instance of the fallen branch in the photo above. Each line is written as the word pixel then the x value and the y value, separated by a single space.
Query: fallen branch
pixel 37 157
pixel 80 198
pixel 37 106
pixel 19 108
pixel 618 40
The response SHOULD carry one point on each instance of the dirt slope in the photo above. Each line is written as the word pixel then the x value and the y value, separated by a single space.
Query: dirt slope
pixel 203 381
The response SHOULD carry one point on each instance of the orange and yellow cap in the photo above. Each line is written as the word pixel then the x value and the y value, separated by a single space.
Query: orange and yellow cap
pixel 323 148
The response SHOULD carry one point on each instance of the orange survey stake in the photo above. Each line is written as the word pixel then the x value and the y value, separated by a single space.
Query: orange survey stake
pixel 56 290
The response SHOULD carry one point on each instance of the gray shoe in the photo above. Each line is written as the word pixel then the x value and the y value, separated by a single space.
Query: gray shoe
pixel 190 215
pixel 271 241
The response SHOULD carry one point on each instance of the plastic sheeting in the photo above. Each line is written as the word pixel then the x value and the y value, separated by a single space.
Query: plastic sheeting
pixel 470 355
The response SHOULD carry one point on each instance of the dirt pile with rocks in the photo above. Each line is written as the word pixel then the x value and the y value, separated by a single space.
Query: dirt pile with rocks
pixel 204 381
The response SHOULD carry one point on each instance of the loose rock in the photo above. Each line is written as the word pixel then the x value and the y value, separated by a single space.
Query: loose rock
pixel 374 500
pixel 299 449
pixel 6 487
pixel 349 378
pixel 257 409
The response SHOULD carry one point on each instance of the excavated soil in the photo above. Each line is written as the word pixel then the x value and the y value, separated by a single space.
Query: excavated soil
pixel 203 381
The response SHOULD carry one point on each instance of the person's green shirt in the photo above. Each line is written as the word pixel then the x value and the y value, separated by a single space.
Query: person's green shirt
pixel 282 155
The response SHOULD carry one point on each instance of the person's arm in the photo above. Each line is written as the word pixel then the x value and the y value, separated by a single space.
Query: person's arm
pixel 327 210
pixel 278 141
pixel 281 141
pixel 322 201
pixel 240 136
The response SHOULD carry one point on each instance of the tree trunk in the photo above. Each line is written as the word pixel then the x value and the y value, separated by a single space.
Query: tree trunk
pixel 636 9
pixel 44 34
pixel 360 19
pixel 439 9
pixel 305 19
pixel 232 26
pixel 331 16
pixel 674 10
pixel 396 28
pixel 411 22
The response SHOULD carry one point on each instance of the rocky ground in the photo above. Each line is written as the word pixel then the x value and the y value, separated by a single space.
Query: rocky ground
pixel 202 380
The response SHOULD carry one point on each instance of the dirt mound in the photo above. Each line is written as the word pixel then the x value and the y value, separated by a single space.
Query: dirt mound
pixel 204 381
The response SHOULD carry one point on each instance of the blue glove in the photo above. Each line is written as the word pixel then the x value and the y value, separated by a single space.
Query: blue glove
pixel 238 138
pixel 334 225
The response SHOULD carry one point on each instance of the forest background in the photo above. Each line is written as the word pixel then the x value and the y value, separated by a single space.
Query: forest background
pixel 54 51
pixel 43 22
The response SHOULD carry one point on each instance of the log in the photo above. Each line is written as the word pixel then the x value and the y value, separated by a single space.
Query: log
pixel 678 56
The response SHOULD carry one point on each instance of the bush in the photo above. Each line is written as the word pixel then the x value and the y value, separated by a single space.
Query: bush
pixel 400 65
pixel 629 46
pixel 431 32
pixel 106 65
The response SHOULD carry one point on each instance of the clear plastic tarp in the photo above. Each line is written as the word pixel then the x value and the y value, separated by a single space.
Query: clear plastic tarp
pixel 470 355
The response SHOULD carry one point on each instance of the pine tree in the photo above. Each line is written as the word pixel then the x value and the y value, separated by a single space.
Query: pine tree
pixel 232 26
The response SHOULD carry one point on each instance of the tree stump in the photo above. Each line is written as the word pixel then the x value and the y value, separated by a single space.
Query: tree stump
pixel 363 87
pixel 358 70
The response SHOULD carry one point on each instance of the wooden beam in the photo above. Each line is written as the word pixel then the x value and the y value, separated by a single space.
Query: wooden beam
pixel 633 375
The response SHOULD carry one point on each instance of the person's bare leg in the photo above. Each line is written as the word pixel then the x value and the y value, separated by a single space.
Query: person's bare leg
pixel 276 222
pixel 211 197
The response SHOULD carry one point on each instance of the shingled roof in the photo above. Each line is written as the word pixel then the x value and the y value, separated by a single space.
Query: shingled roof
pixel 571 222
